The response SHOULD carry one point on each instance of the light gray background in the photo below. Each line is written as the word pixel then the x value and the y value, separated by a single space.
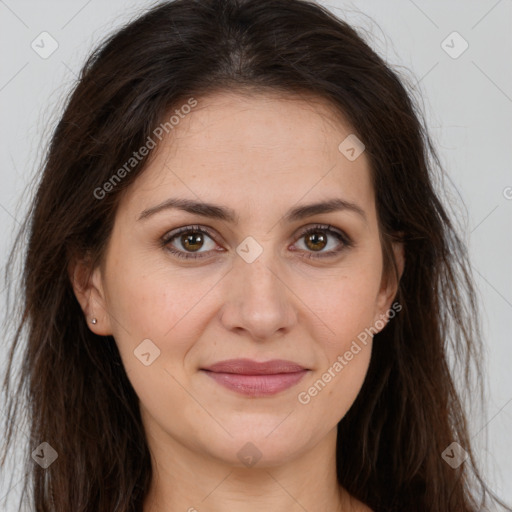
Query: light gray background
pixel 468 103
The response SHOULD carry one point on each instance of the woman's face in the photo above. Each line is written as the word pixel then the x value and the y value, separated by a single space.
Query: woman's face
pixel 259 288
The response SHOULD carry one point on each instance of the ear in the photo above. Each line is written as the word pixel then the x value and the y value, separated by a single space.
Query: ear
pixel 87 283
pixel 389 284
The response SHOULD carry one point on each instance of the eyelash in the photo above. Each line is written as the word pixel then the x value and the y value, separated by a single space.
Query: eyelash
pixel 340 235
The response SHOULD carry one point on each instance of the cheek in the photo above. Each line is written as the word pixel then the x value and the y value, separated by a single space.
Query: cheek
pixel 334 386
pixel 163 305
pixel 154 298
pixel 156 313
pixel 344 302
pixel 340 384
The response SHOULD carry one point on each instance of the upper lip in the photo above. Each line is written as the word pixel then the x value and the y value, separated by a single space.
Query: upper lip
pixel 250 367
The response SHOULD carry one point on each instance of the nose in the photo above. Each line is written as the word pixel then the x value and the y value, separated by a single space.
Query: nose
pixel 258 300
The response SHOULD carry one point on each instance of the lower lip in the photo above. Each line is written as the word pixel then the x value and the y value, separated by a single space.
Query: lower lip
pixel 257 385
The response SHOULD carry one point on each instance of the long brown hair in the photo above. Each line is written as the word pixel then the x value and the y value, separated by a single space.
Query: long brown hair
pixel 80 401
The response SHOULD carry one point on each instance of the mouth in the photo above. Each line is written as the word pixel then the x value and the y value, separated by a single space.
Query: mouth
pixel 256 379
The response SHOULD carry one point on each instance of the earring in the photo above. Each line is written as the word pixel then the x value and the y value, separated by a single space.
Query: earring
pixel 94 321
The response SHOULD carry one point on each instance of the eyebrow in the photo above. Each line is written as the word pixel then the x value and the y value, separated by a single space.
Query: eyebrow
pixel 218 212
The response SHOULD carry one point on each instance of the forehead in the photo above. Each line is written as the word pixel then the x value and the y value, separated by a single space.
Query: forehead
pixel 245 149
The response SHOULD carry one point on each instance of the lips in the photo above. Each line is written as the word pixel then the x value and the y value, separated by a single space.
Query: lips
pixel 256 379
pixel 250 367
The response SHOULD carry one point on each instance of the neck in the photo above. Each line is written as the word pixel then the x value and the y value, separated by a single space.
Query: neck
pixel 192 481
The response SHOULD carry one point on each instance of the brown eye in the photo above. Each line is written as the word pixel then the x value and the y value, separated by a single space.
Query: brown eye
pixel 317 238
pixel 316 241
pixel 186 241
pixel 192 242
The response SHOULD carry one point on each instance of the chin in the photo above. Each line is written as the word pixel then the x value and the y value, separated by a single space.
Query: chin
pixel 256 447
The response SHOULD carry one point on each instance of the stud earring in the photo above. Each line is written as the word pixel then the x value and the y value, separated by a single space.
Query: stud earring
pixel 94 321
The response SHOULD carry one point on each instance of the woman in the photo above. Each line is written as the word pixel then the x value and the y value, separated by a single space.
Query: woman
pixel 240 283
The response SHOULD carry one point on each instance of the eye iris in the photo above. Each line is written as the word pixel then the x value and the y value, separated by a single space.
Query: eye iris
pixel 315 238
pixel 192 239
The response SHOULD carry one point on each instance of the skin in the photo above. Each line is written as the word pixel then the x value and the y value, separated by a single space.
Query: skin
pixel 259 155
